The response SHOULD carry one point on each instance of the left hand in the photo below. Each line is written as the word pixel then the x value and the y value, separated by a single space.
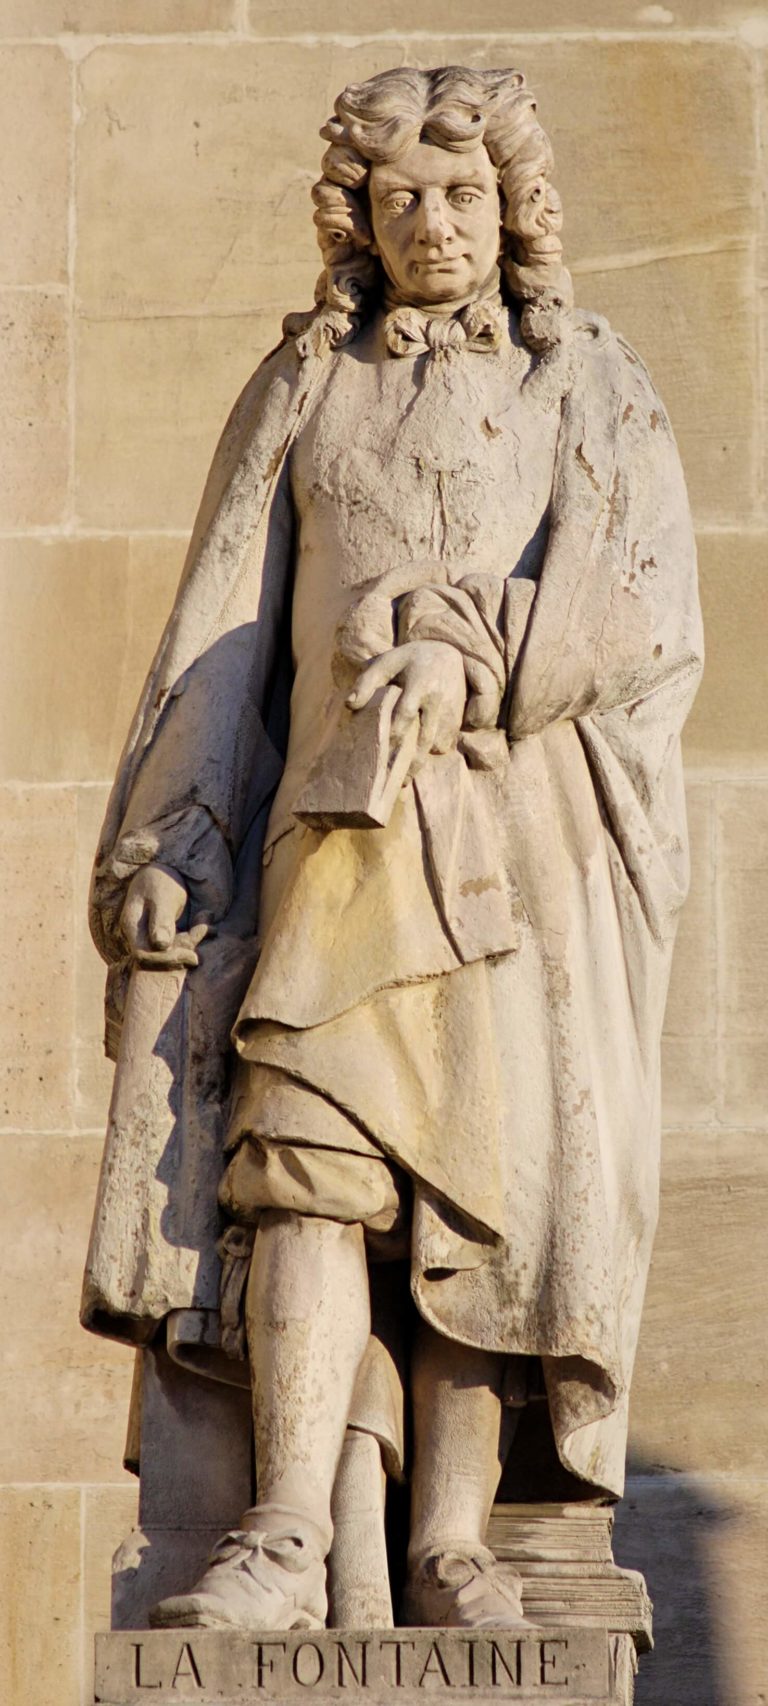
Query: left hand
pixel 433 688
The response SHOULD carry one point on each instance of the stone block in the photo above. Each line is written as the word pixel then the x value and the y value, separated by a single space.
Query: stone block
pixel 109 1514
pixel 34 182
pixel 63 1393
pixel 762 264
pixel 499 17
pixel 153 397
pixel 210 210
pixel 743 812
pixel 83 618
pixel 745 1075
pixel 728 724
pixel 701 1541
pixel 113 17
pixel 667 309
pixel 688 1080
pixel 698 1393
pixel 33 479
pixel 40 1657
pixel 37 974
pixel 93 1072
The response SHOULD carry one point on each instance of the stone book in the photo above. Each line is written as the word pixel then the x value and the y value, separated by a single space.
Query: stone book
pixel 355 780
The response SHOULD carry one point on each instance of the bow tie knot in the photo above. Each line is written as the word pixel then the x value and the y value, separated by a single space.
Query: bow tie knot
pixel 410 331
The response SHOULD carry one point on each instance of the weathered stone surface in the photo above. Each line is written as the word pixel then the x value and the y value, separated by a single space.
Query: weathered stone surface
pixel 34 182
pixel 33 479
pixel 701 1541
pixel 37 834
pixel 63 1394
pixel 82 618
pixel 744 1075
pixel 109 1514
pixel 728 725
pixel 743 813
pixel 161 390
pixel 636 208
pixel 698 1394
pixel 40 1656
pixel 283 17
pixel 689 1080
pixel 667 310
pixel 239 140
pixel 744 899
pixel 403 1665
pixel 114 17
pixel 188 1479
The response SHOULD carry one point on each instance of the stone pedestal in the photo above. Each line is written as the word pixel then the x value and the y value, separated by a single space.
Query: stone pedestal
pixel 589 1617
pixel 401 1667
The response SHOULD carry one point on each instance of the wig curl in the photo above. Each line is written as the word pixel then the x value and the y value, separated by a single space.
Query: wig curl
pixel 454 108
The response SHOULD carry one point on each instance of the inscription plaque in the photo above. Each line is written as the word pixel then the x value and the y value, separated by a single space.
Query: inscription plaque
pixel 384 1668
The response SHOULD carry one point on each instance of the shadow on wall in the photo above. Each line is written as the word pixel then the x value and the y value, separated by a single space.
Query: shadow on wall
pixel 670 1528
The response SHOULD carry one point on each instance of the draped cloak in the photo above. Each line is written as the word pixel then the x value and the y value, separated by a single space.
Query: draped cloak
pixel 553 848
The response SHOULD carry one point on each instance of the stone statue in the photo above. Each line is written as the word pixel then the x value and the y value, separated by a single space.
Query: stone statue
pixel 401 813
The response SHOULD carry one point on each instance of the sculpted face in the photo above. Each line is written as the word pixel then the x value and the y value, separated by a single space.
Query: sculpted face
pixel 435 217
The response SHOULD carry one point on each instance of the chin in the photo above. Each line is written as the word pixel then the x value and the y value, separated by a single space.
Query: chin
pixel 443 286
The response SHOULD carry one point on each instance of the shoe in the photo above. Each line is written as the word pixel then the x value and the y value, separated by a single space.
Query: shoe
pixel 256 1579
pixel 463 1590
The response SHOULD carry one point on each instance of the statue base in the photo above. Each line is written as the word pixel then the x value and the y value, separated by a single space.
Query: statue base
pixel 399 1667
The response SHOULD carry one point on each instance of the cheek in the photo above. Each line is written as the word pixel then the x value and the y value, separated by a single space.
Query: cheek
pixel 392 237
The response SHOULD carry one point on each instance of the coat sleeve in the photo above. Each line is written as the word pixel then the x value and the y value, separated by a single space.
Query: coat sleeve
pixel 204 753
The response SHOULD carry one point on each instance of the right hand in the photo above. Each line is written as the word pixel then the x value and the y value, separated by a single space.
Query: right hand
pixel 155 901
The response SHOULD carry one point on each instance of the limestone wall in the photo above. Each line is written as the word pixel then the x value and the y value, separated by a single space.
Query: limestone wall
pixel 155 162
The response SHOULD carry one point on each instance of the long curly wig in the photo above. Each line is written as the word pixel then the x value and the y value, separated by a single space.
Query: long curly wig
pixel 455 108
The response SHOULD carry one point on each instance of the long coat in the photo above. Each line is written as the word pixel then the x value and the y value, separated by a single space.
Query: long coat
pixel 602 657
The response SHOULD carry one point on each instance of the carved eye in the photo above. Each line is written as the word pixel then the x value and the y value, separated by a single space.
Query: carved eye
pixel 398 203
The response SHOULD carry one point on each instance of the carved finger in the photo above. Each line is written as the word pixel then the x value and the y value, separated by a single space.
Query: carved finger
pixel 409 707
pixel 161 923
pixel 377 674
pixel 180 953
pixel 430 720
pixel 131 921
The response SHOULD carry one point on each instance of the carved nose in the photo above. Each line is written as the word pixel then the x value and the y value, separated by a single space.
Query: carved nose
pixel 435 227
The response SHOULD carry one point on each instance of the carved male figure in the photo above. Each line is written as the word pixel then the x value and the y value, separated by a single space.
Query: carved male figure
pixel 446 482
